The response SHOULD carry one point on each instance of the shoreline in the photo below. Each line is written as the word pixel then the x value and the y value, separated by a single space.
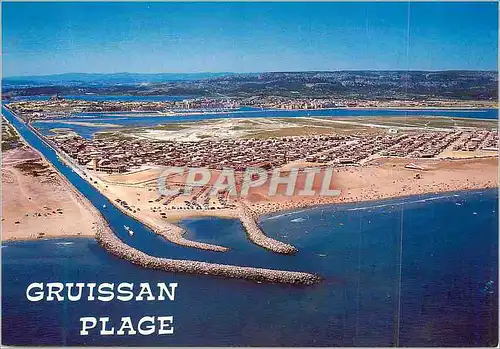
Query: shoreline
pixel 447 193
pixel 236 111
pixel 402 108
pixel 173 233
pixel 270 214
pixel 62 120
pixel 298 206
pixel 258 209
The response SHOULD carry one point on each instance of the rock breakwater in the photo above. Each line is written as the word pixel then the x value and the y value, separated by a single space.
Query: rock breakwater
pixel 257 236
pixel 108 240
pixel 175 234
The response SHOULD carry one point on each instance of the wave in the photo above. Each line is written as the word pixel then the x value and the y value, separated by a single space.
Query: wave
pixel 298 220
pixel 394 204
pixel 289 213
pixel 403 202
pixel 65 243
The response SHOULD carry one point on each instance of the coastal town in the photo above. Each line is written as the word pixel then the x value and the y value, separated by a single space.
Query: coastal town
pixel 58 107
pixel 127 169
pixel 113 154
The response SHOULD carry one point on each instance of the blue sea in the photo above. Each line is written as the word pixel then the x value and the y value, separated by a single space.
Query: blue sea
pixel 417 271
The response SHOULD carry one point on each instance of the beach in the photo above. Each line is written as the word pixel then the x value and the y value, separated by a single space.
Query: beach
pixel 385 178
pixel 38 202
pixel 381 178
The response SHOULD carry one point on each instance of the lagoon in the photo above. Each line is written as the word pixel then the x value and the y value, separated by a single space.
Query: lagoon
pixel 93 120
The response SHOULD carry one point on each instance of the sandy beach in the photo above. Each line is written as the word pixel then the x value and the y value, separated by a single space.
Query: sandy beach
pixel 37 202
pixel 381 178
pixel 386 178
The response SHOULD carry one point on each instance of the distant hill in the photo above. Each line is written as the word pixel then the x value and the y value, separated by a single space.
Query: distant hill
pixel 419 85
pixel 109 79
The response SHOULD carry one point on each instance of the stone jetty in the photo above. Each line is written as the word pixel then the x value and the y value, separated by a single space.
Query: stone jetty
pixel 257 236
pixel 175 234
pixel 108 240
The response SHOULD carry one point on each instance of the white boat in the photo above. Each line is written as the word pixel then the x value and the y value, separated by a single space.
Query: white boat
pixel 103 206
pixel 131 232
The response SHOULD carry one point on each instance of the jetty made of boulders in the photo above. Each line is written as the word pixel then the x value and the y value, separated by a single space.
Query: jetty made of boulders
pixel 108 240
pixel 175 235
pixel 256 235
pixel 248 218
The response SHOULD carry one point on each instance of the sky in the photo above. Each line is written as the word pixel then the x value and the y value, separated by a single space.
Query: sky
pixel 58 37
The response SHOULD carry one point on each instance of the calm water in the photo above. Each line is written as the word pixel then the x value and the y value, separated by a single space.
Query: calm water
pixel 421 265
pixel 447 256
pixel 93 120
